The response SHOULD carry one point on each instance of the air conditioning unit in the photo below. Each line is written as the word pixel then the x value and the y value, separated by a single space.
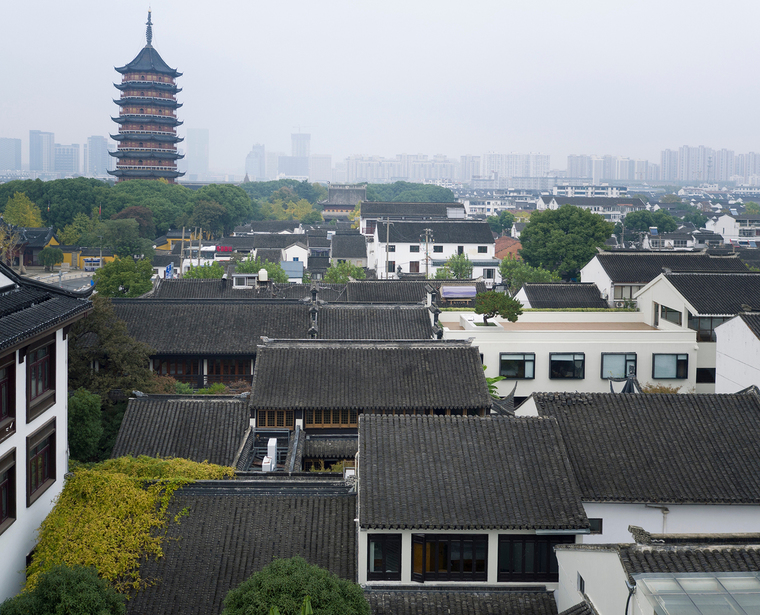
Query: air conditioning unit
pixel 619 304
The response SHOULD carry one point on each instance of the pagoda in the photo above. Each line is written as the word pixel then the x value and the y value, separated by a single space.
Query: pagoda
pixel 147 138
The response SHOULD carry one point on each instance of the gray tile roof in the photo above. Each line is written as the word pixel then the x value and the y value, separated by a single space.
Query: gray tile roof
pixel 376 209
pixel 459 601
pixel 643 267
pixel 582 608
pixel 369 376
pixel 341 447
pixel 463 232
pixel 661 448
pixel 469 473
pixel 273 255
pixel 349 246
pixel 639 559
pixel 563 296
pixel 29 308
pixel 199 428
pixel 374 322
pixel 268 226
pixel 278 240
pixel 232 531
pixel 753 323
pixel 599 201
pixel 718 293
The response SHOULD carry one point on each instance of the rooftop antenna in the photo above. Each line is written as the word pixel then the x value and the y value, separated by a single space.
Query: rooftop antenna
pixel 149 29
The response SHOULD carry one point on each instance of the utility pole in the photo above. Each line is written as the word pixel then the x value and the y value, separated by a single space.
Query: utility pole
pixel 428 239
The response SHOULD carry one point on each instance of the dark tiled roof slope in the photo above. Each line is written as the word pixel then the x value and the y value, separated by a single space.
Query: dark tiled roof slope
pixel 582 608
pixel 273 255
pixel 278 240
pixel 400 291
pixel 563 296
pixel 719 293
pixel 226 537
pixel 371 209
pixel 369 376
pixel 268 226
pixel 371 322
pixel 598 201
pixel 753 323
pixel 465 231
pixel 349 246
pixel 339 447
pixel 641 559
pixel 661 448
pixel 214 327
pixel 200 429
pixel 459 602
pixel 516 474
pixel 643 267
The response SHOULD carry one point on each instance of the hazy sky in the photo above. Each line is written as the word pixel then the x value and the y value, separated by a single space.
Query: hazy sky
pixel 454 77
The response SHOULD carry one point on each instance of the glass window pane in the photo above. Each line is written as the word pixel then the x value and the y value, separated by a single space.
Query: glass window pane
pixel 530 556
pixel 456 556
pixel 480 556
pixel 417 557
pixel 613 366
pixel 467 556
pixel 529 369
pixel 664 366
pixel 443 556
pixel 517 557
pixel 504 557
pixel 375 556
pixel 393 554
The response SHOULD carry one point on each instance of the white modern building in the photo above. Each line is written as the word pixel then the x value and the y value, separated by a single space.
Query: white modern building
pixel 737 353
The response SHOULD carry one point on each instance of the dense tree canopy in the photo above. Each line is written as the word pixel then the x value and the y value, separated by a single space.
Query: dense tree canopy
pixel 752 208
pixel 124 277
pixel 21 211
pixel 458 266
pixel 492 303
pixel 85 427
pixel 253 265
pixel 406 192
pixel 50 256
pixel 144 218
pixel 515 273
pixel 205 272
pixel 563 240
pixel 501 223
pixel 638 222
pixel 286 582
pixel 341 272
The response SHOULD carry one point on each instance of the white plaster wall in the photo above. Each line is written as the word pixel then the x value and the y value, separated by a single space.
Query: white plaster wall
pixel 681 519
pixel 296 251
pixel 19 539
pixel 604 578
pixel 737 357
pixel 594 272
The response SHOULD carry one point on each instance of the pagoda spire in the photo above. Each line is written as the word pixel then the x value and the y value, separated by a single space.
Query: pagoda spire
pixel 149 30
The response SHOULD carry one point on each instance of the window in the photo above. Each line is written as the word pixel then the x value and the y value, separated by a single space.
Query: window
pixel 40 371
pixel 276 418
pixel 334 417
pixel 705 326
pixel 391 266
pixel 489 274
pixel 529 557
pixel 670 314
pixel 596 526
pixel 567 366
pixel 7 490
pixel 414 248
pixel 384 557
pixel 391 248
pixel 438 249
pixel 656 313
pixel 666 366
pixel 40 471
pixel 414 266
pixel 705 375
pixel 7 396
pixel 517 365
pixel 581 584
pixel 482 249
pixel 446 557
pixel 616 365
pixel 460 249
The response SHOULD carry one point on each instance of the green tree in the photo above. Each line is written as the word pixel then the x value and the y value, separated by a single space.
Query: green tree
pixel 563 240
pixel 21 211
pixel 85 426
pixel 233 199
pixel 752 208
pixel 143 216
pixel 286 582
pixel 491 303
pixel 123 237
pixel 124 277
pixel 341 272
pixel 501 223
pixel 81 225
pixel 253 265
pixel 515 273
pixel 639 222
pixel 696 217
pixel 210 216
pixel 459 266
pixel 50 257
pixel 204 272
pixel 671 198
pixel 67 590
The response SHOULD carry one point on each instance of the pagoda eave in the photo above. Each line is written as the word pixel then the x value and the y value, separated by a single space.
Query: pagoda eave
pixel 145 118
pixel 134 100
pixel 153 153
pixel 148 136
pixel 158 85
pixel 131 69
pixel 147 173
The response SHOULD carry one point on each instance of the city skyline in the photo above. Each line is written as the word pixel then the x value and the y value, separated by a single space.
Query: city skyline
pixel 587 77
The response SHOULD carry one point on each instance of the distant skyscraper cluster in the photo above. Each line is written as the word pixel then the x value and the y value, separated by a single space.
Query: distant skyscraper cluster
pixel 706 165
pixel 261 165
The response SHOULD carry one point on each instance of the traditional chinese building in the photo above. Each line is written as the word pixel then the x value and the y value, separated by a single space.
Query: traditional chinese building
pixel 147 137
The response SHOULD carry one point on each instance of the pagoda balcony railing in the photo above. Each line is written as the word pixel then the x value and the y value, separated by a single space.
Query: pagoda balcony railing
pixel 156 116
pixel 168 131
pixel 162 150
pixel 132 98
pixel 124 167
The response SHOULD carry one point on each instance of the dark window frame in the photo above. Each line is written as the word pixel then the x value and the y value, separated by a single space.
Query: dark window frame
pixel 706 375
pixel 433 545
pixel 628 363
pixel 671 315
pixel 482 249
pixel 8 397
pixel 45 399
pixel 45 435
pixel 596 525
pixel 391 247
pixel 682 366
pixel 385 540
pixel 544 561
pixel 414 248
pixel 554 375
pixel 524 359
pixel 7 490
pixel 437 249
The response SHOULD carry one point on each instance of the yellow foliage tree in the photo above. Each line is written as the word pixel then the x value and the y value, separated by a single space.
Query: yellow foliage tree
pixel 299 210
pixel 20 211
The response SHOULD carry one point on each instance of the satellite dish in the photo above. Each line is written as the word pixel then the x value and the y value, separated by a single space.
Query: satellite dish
pixel 263 275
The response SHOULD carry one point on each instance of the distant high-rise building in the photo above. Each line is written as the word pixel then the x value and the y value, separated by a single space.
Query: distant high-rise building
pixel 320 168
pixel 578 166
pixel 469 167
pixel 41 151
pixel 256 164
pixel 300 145
pixel 10 154
pixel 97 161
pixel 67 159
pixel 669 165
pixel 273 164
pixel 197 151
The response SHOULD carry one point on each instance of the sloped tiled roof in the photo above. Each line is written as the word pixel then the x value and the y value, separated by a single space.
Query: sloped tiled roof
pixel 599 201
pixel 643 267
pixel 465 231
pixel 369 376
pixel 277 240
pixel 582 608
pixel 200 428
pixel 268 226
pixel 718 293
pixel 273 255
pixel 232 531
pixel 368 322
pixel 639 559
pixel 459 601
pixel 147 61
pixel 661 448
pixel 349 246
pixel 373 209
pixel 563 296
pixel 753 323
pixel 341 447
pixel 496 473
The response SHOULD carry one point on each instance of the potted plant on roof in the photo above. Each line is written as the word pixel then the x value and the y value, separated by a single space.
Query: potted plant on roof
pixel 492 303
